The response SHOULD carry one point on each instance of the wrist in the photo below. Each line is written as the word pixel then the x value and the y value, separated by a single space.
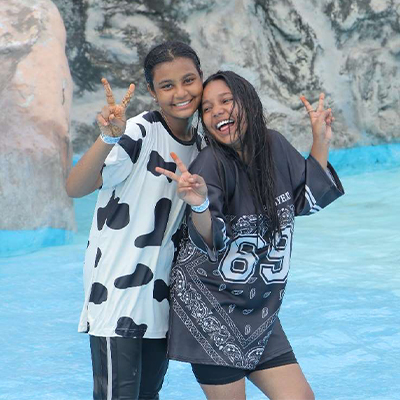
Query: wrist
pixel 109 139
pixel 319 141
pixel 202 207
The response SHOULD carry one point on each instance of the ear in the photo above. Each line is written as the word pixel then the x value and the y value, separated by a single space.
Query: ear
pixel 152 92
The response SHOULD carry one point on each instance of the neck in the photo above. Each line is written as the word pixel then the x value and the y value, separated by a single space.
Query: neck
pixel 181 128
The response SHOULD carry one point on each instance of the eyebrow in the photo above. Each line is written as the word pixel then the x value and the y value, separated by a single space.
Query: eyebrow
pixel 171 80
pixel 220 95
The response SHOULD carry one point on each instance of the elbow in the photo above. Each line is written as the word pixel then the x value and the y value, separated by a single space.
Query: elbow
pixel 72 190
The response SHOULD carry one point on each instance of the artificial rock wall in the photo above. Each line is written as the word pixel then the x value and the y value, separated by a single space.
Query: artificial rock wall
pixel 350 49
pixel 35 100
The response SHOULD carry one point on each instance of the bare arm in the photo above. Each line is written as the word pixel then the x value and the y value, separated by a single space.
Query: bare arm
pixel 202 222
pixel 85 176
pixel 321 123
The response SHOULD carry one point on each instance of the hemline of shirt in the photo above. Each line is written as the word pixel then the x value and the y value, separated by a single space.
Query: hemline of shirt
pixel 275 354
pixel 151 335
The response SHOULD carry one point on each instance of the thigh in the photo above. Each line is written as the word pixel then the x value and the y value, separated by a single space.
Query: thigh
pixel 284 382
pixel 154 367
pixel 116 367
pixel 220 382
pixel 216 374
pixel 231 391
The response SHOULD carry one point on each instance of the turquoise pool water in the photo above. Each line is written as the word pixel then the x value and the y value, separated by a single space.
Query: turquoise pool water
pixel 341 310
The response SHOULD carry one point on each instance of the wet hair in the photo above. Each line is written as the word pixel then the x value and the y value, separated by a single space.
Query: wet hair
pixel 167 52
pixel 254 144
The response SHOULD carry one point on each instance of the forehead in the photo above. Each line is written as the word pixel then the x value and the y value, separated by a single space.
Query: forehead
pixel 175 69
pixel 215 88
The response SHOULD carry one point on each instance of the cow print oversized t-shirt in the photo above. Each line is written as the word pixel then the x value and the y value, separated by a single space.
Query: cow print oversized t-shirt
pixel 131 242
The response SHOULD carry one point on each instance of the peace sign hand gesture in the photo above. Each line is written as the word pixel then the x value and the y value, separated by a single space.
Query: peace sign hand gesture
pixel 112 119
pixel 191 188
pixel 321 120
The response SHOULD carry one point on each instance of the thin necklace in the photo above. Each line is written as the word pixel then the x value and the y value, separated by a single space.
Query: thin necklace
pixel 166 121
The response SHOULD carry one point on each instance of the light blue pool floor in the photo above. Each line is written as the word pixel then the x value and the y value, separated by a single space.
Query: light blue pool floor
pixel 341 310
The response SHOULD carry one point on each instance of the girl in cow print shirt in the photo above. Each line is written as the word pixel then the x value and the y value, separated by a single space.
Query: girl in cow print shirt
pixel 229 279
pixel 138 212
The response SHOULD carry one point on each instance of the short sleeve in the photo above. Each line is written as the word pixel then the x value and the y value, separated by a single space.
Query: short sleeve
pixel 122 158
pixel 312 186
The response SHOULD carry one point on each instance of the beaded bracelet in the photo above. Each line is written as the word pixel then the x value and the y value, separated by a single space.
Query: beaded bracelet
pixel 109 139
pixel 202 207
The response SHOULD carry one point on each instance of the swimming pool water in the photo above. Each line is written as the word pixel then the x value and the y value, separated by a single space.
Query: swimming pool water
pixel 341 310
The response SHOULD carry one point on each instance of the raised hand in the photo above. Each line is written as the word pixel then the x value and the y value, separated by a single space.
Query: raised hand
pixel 112 119
pixel 321 120
pixel 191 188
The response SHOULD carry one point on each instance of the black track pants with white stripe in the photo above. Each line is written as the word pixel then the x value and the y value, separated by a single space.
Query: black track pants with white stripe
pixel 128 369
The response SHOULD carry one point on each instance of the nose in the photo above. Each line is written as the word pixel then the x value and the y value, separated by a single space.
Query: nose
pixel 217 111
pixel 180 92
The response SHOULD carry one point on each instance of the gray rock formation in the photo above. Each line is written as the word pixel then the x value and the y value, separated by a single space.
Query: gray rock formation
pixel 350 49
pixel 35 99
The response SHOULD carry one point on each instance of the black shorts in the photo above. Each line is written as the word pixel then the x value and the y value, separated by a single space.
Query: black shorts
pixel 127 368
pixel 220 375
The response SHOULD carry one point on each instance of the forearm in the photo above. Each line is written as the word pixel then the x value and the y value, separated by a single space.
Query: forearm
pixel 85 176
pixel 203 225
pixel 320 151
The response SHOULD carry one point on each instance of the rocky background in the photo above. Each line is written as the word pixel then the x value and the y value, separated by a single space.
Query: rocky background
pixel 349 49
pixel 35 101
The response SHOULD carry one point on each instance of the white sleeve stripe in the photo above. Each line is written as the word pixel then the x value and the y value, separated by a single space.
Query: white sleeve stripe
pixel 308 190
pixel 309 200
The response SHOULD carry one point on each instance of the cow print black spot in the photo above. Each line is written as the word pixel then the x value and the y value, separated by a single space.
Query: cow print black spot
pixel 157 161
pixel 132 147
pixel 152 117
pixel 161 214
pixel 127 327
pixel 115 215
pixel 98 256
pixel 141 276
pixel 98 294
pixel 142 129
pixel 161 290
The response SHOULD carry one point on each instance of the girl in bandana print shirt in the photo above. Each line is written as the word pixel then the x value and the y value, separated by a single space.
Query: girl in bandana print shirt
pixel 228 283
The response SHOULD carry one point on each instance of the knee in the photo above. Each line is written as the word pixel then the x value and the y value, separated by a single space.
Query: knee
pixel 307 394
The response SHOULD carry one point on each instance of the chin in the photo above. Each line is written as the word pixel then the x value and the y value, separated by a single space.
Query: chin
pixel 185 113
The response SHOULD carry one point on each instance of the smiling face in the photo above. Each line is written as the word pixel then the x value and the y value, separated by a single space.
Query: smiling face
pixel 220 114
pixel 177 87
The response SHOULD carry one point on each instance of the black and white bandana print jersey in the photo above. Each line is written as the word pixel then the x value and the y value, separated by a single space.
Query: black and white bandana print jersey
pixel 225 300
pixel 131 242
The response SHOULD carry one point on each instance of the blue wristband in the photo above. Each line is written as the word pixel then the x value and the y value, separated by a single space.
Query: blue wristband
pixel 202 207
pixel 109 139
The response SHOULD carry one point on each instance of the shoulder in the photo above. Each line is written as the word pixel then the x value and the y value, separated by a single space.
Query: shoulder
pixel 212 164
pixel 279 143
pixel 206 159
pixel 143 123
pixel 276 137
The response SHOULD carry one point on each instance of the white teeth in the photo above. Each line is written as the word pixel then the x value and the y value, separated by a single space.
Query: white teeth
pixel 224 122
pixel 182 104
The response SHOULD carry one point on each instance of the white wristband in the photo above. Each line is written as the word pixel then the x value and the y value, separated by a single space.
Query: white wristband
pixel 109 139
pixel 202 207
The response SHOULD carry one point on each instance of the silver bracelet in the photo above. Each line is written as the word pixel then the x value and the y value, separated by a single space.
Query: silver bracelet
pixel 202 207
pixel 109 139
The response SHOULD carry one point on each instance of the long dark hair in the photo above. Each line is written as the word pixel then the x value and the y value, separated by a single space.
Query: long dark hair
pixel 167 52
pixel 254 145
